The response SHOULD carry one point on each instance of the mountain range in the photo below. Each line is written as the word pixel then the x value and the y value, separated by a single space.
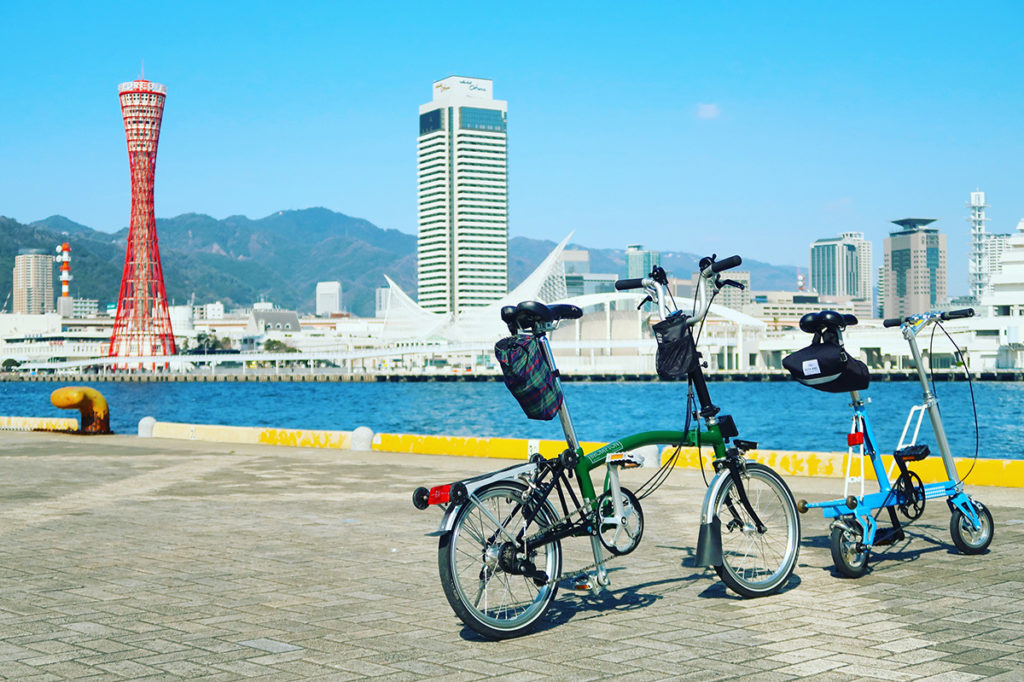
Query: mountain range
pixel 281 257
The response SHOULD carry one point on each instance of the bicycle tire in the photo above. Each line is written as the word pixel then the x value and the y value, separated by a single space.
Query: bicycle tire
pixel 966 539
pixel 505 604
pixel 757 564
pixel 849 557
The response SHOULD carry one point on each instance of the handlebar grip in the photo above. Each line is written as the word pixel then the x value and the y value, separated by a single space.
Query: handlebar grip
pixel 892 322
pixel 635 283
pixel 957 314
pixel 726 263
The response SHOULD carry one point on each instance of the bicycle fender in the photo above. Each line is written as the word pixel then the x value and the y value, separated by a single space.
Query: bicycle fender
pixel 717 482
pixel 478 482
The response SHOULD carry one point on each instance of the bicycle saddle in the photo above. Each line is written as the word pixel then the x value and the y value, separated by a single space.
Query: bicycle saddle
pixel 528 314
pixel 812 323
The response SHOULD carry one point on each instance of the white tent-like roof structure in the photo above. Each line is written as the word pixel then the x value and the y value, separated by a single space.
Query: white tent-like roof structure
pixel 405 319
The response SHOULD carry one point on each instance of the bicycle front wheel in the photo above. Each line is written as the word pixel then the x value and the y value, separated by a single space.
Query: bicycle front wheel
pixel 754 563
pixel 495 585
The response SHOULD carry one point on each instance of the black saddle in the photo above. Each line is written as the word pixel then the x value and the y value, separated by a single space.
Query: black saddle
pixel 528 314
pixel 826 320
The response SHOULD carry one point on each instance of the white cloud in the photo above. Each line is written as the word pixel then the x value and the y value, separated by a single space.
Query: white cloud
pixel 708 111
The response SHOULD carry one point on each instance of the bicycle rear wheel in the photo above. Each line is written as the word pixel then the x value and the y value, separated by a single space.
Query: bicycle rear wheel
pixel 756 564
pixel 493 586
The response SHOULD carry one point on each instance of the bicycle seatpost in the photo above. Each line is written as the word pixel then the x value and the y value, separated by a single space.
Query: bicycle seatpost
pixel 563 412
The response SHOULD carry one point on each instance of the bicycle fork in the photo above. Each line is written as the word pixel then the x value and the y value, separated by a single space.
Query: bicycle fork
pixel 709 538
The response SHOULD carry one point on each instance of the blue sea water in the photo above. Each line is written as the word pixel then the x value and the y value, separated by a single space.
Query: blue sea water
pixel 778 415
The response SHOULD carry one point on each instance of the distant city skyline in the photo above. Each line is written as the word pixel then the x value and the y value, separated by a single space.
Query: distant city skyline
pixel 687 128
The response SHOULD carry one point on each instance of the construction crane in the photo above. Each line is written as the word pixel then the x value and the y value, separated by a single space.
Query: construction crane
pixel 4 307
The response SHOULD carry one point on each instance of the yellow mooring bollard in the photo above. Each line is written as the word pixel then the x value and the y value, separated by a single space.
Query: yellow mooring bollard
pixel 89 402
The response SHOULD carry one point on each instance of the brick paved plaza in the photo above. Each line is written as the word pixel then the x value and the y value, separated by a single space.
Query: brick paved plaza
pixel 144 558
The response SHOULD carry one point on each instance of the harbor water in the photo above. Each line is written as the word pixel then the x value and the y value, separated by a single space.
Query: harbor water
pixel 778 415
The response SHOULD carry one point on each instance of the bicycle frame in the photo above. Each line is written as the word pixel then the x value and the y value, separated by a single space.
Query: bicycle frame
pixel 585 464
pixel 862 507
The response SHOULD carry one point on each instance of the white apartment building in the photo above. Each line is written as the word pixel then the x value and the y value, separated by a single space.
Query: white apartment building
pixel 328 298
pixel 33 282
pixel 841 266
pixel 462 251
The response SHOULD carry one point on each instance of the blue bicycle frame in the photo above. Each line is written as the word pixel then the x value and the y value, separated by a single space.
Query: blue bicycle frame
pixel 861 507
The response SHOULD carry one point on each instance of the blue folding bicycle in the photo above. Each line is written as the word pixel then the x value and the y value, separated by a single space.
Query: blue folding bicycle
pixel 855 527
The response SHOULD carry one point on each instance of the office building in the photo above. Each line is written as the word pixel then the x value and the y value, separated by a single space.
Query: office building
pixel 33 282
pixel 639 261
pixel 328 298
pixel 381 301
pixel 462 250
pixel 915 268
pixel 841 266
pixel 576 261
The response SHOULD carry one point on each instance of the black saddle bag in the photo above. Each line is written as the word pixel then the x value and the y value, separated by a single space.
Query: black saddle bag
pixel 677 353
pixel 825 366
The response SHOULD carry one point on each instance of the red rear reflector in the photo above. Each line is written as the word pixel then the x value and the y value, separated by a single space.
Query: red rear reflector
pixel 440 495
pixel 851 439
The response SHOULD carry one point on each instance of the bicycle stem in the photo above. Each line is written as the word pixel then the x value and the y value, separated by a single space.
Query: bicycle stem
pixel 910 334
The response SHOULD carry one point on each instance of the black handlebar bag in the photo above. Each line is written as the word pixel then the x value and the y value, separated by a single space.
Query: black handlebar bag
pixel 825 366
pixel 677 352
pixel 528 376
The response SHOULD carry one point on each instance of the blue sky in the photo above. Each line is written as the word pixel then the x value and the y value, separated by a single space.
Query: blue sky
pixel 733 127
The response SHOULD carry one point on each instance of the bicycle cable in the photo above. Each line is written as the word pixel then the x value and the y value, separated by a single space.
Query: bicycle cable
pixel 970 386
pixel 661 475
pixel 691 400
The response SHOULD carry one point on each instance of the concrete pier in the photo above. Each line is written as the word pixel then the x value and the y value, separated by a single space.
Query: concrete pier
pixel 318 375
pixel 129 557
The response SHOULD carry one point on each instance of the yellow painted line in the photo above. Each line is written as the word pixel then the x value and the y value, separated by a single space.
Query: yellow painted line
pixel 38 424
pixel 254 435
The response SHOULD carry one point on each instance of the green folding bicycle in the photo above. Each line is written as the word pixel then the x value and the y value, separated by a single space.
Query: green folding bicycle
pixel 500 553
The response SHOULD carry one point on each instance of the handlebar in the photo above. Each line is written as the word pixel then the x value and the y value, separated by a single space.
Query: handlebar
pixel 726 264
pixel 635 283
pixel 944 316
pixel 957 314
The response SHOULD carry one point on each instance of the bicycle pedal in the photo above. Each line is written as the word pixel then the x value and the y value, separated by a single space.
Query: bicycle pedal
pixel 583 583
pixel 626 460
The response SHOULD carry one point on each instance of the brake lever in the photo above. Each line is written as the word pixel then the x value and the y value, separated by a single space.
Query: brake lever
pixel 733 283
pixel 647 299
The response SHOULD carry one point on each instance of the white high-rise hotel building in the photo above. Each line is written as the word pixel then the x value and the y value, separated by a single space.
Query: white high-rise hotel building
pixel 463 196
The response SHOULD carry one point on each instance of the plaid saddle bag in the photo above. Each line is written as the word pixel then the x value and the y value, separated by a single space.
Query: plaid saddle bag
pixel 528 376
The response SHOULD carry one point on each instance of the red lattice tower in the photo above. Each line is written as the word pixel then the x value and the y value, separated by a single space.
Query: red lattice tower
pixel 143 324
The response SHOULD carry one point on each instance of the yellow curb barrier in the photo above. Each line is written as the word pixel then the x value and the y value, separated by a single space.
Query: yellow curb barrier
pixel 986 472
pixel 38 424
pixel 461 446
pixel 254 435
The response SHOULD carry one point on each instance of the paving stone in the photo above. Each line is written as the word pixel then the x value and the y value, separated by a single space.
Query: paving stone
pixel 151 559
